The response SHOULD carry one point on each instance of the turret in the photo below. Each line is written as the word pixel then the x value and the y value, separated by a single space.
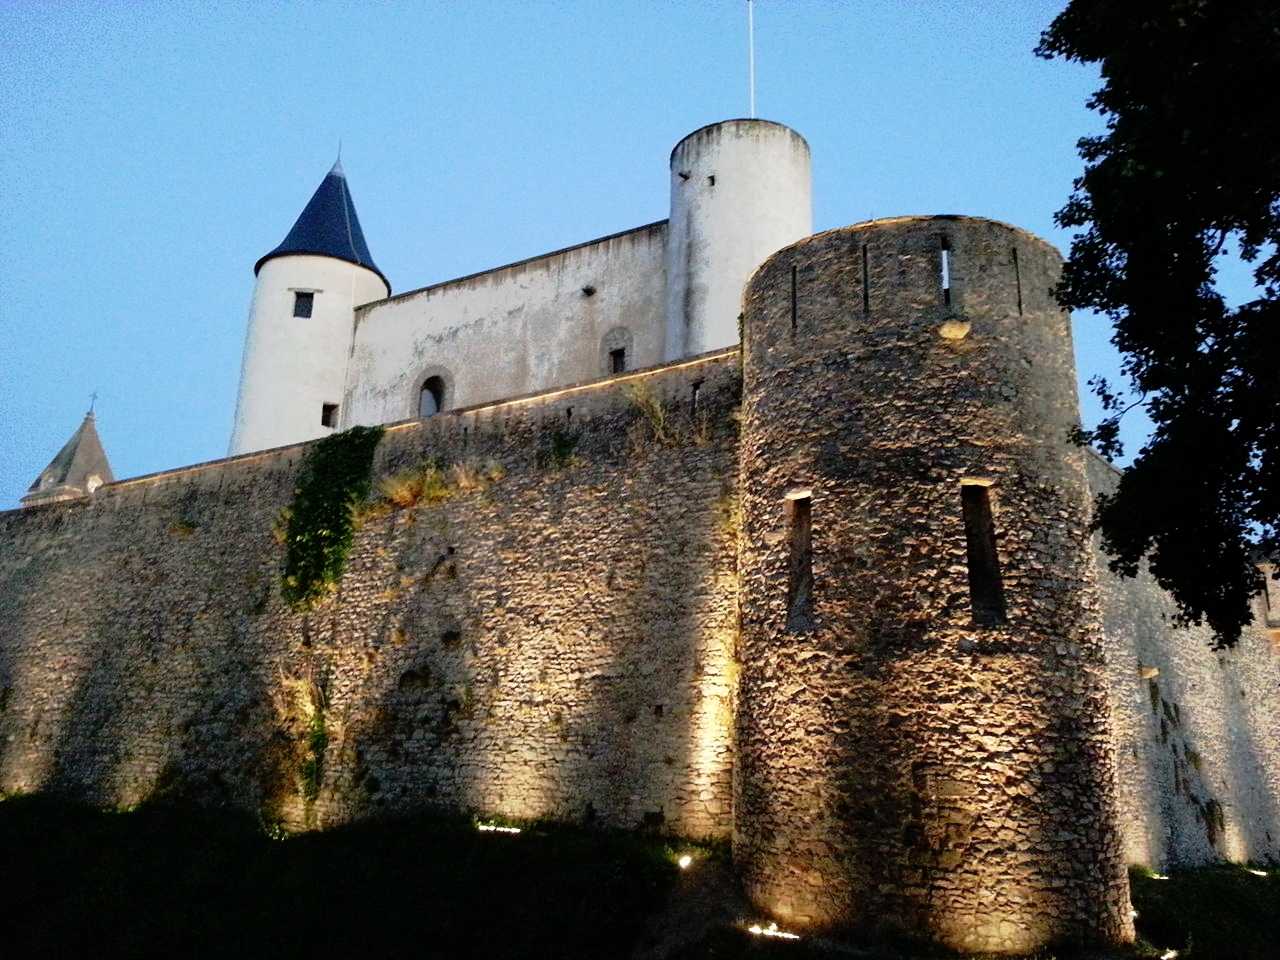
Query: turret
pixel 78 470
pixel 923 739
pixel 300 323
pixel 740 190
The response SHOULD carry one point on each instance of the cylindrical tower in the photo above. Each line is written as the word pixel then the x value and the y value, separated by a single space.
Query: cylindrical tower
pixel 300 324
pixel 923 735
pixel 739 191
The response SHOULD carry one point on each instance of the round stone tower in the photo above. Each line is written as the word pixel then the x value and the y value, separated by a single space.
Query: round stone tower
pixel 300 324
pixel 740 190
pixel 923 736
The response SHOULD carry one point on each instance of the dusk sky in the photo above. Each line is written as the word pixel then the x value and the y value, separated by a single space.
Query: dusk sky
pixel 150 153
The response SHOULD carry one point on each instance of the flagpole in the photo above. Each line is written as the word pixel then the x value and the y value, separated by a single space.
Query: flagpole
pixel 751 55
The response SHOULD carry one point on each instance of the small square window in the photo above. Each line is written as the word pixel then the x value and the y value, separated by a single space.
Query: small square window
pixel 618 360
pixel 329 415
pixel 302 303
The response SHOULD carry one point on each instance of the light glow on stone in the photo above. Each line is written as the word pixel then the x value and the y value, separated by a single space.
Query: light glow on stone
pixel 494 828
pixel 771 931
pixel 1256 873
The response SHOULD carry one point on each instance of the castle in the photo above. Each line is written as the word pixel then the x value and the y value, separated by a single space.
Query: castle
pixel 718 527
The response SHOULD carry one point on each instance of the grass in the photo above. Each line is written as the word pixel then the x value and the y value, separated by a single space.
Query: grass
pixel 1212 913
pixel 168 881
pixel 431 482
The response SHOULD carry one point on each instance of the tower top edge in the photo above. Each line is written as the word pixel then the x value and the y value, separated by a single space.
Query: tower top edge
pixel 935 221
pixel 923 219
pixel 257 267
pixel 704 131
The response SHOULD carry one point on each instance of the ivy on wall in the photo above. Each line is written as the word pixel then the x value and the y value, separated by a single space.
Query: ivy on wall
pixel 334 482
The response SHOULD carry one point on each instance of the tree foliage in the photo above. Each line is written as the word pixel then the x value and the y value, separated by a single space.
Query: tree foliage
pixel 1186 177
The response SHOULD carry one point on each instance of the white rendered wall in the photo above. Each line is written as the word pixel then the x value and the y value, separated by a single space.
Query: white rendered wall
pixel 740 191
pixel 294 365
pixel 518 329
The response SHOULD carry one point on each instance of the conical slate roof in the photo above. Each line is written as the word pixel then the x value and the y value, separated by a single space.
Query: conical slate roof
pixel 328 227
pixel 79 468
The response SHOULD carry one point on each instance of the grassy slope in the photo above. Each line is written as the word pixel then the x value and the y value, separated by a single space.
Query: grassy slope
pixel 168 882
pixel 1215 912
pixel 177 883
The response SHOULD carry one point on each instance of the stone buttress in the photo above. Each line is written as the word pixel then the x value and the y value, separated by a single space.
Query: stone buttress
pixel 923 733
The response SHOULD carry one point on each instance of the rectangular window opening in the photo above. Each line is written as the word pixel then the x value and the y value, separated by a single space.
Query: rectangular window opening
pixel 800 580
pixel 303 301
pixel 793 299
pixel 328 415
pixel 618 360
pixel 1017 278
pixel 945 249
pixel 866 283
pixel 986 588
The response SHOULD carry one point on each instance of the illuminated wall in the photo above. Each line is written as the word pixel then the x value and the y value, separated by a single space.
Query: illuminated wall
pixel 1197 730
pixel 833 596
pixel 551 639
pixel 923 737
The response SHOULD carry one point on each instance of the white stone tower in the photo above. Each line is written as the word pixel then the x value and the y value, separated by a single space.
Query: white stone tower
pixel 740 191
pixel 300 324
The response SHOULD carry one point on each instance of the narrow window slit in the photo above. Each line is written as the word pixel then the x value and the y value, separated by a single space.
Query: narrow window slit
pixel 866 283
pixel 945 249
pixel 618 360
pixel 800 579
pixel 1017 278
pixel 693 400
pixel 793 299
pixel 986 588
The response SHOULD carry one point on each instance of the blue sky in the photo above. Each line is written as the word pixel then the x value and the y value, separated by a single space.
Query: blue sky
pixel 151 152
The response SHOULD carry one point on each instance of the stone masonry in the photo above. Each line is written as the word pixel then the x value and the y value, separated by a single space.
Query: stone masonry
pixel 831 595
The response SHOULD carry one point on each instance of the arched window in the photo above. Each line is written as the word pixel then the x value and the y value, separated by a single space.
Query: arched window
pixel 431 397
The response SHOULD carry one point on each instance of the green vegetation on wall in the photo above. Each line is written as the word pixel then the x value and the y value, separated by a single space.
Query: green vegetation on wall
pixel 559 452
pixel 432 482
pixel 313 763
pixel 334 482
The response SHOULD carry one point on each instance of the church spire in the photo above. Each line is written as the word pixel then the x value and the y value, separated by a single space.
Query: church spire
pixel 79 469
pixel 328 227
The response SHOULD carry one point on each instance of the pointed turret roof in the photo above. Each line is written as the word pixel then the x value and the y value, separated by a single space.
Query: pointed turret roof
pixel 79 468
pixel 328 227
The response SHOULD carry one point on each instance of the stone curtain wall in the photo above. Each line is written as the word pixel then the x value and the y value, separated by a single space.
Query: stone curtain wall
pixel 1197 731
pixel 548 632
pixel 902 764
